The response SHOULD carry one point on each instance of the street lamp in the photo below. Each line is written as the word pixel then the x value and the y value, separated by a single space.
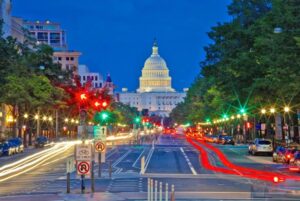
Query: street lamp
pixel 286 109
pixel 25 115
pixel 36 117
pixel 263 111
pixel 272 110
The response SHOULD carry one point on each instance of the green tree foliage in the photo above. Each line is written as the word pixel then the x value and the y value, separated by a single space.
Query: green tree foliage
pixel 253 60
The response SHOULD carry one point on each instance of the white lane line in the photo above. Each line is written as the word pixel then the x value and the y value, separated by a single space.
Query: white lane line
pixel 149 158
pixel 188 161
pixel 119 170
pixel 137 160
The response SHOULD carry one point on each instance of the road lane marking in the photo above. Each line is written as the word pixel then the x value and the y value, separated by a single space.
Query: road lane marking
pixel 188 161
pixel 119 170
pixel 137 160
pixel 149 158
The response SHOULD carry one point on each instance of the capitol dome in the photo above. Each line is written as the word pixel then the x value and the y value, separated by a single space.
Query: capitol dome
pixel 155 74
pixel 155 62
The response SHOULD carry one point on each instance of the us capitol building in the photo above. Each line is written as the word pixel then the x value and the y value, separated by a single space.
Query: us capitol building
pixel 155 93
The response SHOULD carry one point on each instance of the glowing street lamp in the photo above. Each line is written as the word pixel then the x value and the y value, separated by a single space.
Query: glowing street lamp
pixel 36 117
pixel 272 110
pixel 286 109
pixel 263 111
pixel 44 118
pixel 66 120
pixel 25 115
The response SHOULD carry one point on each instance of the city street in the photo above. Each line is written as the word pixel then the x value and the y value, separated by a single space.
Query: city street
pixel 172 160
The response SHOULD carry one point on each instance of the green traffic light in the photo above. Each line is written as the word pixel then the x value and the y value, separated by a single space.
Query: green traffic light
pixel 137 120
pixel 104 115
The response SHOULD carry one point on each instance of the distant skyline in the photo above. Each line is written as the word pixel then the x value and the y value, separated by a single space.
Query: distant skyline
pixel 116 36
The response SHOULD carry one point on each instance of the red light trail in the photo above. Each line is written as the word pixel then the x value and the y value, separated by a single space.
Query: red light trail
pixel 236 169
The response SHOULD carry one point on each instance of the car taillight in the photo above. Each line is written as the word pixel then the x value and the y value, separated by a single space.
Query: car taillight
pixel 288 156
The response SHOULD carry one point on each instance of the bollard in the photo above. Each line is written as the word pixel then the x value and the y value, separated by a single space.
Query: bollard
pixel 143 165
pixel 68 182
pixel 167 192
pixel 160 191
pixel 148 190
pixel 172 193
pixel 110 170
pixel 151 189
pixel 92 178
pixel 155 190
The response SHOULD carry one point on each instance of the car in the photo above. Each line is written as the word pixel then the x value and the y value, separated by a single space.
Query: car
pixel 41 141
pixel 278 154
pixel 18 144
pixel 220 139
pixel 228 140
pixel 289 154
pixel 261 145
pixel 7 149
pixel 295 162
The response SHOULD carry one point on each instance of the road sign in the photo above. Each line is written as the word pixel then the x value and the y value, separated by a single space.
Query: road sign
pixel 100 133
pixel 83 152
pixel 99 146
pixel 83 167
pixel 70 165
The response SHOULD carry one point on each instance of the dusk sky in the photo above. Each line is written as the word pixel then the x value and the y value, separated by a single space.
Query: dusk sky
pixel 116 36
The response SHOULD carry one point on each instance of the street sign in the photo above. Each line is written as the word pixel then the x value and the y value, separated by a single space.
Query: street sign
pixel 99 146
pixel 100 133
pixel 70 165
pixel 83 152
pixel 83 167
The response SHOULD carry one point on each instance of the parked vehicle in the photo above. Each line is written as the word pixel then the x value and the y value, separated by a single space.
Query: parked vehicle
pixel 279 154
pixel 7 149
pixel 295 162
pixel 18 144
pixel 41 141
pixel 228 140
pixel 261 145
pixel 221 139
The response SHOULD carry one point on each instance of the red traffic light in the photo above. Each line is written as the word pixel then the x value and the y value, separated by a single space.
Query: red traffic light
pixel 97 104
pixel 83 96
pixel 104 104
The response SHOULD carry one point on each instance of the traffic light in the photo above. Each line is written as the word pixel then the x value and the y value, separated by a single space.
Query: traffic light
pixel 104 116
pixel 137 120
pixel 248 125
pixel 83 97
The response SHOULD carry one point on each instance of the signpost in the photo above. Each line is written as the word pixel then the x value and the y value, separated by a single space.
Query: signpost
pixel 70 166
pixel 83 152
pixel 83 167
pixel 100 144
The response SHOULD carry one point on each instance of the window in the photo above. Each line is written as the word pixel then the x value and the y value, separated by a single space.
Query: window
pixel 100 85
pixel 54 38
pixel 42 37
pixel 67 58
pixel 59 58
pixel 72 58
pixel 67 67
pixel 96 78
pixel 96 85
pixel 39 27
pixel 83 78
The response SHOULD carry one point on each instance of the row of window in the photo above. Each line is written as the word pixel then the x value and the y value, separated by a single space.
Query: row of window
pixel 88 77
pixel 67 58
pixel 44 37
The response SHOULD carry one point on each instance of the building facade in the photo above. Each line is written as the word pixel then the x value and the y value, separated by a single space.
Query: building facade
pixel 5 15
pixel 47 32
pixel 85 75
pixel 155 93
pixel 69 60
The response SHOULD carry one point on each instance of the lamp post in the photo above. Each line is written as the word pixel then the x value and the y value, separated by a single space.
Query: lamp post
pixel 286 126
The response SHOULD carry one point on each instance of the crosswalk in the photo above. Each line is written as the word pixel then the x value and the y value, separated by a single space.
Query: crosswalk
pixel 126 185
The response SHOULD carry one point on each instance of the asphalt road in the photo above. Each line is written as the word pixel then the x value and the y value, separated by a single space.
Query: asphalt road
pixel 171 160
